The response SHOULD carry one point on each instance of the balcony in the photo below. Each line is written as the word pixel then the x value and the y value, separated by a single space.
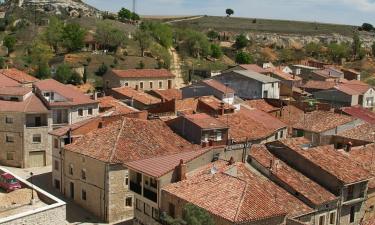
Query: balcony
pixel 33 121
pixel 150 195
pixel 134 187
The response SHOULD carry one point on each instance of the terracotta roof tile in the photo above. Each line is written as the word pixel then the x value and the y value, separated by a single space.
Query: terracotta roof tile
pixel 218 86
pixel 18 75
pixel 214 103
pixel 187 105
pixel 291 115
pixel 31 105
pixel 360 113
pixel 143 73
pixel 284 76
pixel 168 95
pixel 319 85
pixel 7 82
pixel 129 140
pixel 319 121
pixel 262 105
pixel 14 91
pixel 72 95
pixel 254 67
pixel 246 196
pixel 64 130
pixel 138 96
pixel 205 121
pixel 296 180
pixel 363 132
pixel 330 160
pixel 109 103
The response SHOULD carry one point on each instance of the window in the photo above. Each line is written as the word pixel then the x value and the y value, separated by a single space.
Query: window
pixel 171 210
pixel 126 178
pixel 9 120
pixel 352 214
pixel 10 155
pixel 281 134
pixel 56 165
pixel 332 218
pixel 38 121
pixel 14 99
pixel 71 169
pixel 89 111
pixel 126 84
pixel 9 139
pixel 80 112
pixel 322 220
pixel 128 201
pixel 138 204
pixel 83 174
pixel 83 194
pixel 57 184
pixel 350 192
pixel 37 138
pixel 56 143
pixel 147 209
pixel 160 84
pixel 276 136
pixel 153 183
pixel 141 85
pixel 151 85
pixel 218 136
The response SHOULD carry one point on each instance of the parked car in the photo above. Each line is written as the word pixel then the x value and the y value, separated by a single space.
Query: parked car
pixel 9 183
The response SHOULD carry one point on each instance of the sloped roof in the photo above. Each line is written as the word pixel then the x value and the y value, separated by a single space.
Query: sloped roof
pixel 31 105
pixel 143 73
pixel 253 67
pixel 218 86
pixel 320 121
pixel 138 96
pixel 110 103
pixel 168 94
pixel 284 76
pixel 205 121
pixel 319 85
pixel 296 180
pixel 256 76
pixel 18 75
pixel 261 104
pixel 363 132
pixel 130 140
pixel 360 113
pixel 64 130
pixel 72 95
pixel 7 82
pixel 15 91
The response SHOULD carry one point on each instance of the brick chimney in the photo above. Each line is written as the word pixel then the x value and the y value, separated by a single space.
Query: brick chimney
pixel 181 171
pixel 349 147
pixel 231 161
pixel 221 108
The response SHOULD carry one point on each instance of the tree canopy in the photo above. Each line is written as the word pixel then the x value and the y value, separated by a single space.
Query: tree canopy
pixel 73 37
pixel 162 33
pixel 244 58
pixel 54 33
pixel 40 54
pixel 241 41
pixel 108 36
pixel 144 40
pixel 125 14
pixel 367 27
pixel 229 12
pixel 9 42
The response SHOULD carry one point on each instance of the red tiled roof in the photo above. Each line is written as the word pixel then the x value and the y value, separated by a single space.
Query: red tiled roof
pixel 262 105
pixel 159 166
pixel 320 121
pixel 218 86
pixel 239 198
pixel 364 156
pixel 168 94
pixel 7 82
pixel 112 104
pixel 254 67
pixel 14 91
pixel 129 140
pixel 291 115
pixel 205 121
pixel 31 105
pixel 363 132
pixel 214 103
pixel 330 160
pixel 64 130
pixel 187 105
pixel 296 180
pixel 138 96
pixel 284 76
pixel 73 96
pixel 353 87
pixel 360 113
pixel 319 85
pixel 18 75
pixel 251 124
pixel 323 73
pixel 143 73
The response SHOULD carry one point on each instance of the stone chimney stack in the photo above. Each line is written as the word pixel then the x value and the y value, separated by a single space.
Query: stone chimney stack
pixel 181 170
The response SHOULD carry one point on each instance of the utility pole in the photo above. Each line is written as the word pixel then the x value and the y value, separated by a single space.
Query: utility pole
pixel 134 6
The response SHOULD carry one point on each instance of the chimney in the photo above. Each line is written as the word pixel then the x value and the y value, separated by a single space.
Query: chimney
pixel 95 95
pixel 349 147
pixel 231 161
pixel 181 170
pixel 294 76
pixel 101 125
pixel 222 106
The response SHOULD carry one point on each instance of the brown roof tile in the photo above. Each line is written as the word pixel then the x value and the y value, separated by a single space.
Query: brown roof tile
pixel 109 103
pixel 168 95
pixel 319 121
pixel 218 86
pixel 7 82
pixel 319 85
pixel 284 76
pixel 254 67
pixel 205 121
pixel 31 105
pixel 143 73
pixel 296 180
pixel 14 91
pixel 363 132
pixel 129 140
pixel 360 113
pixel 18 75
pixel 138 96
pixel 214 103
pixel 72 95
pixel 262 105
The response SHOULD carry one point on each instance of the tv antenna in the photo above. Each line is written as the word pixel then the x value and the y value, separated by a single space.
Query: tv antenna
pixel 134 6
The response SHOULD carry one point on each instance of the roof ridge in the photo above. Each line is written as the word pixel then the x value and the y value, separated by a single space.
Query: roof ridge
pixel 28 103
pixel 116 142
pixel 242 199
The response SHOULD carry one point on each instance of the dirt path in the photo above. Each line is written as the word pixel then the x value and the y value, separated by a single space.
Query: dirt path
pixel 185 19
pixel 176 68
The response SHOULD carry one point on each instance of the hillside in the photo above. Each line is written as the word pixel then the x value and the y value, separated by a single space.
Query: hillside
pixel 236 24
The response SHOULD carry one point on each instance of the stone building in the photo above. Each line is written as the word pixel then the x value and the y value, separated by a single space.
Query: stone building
pixel 140 79
pixel 21 78
pixel 94 174
pixel 24 126
pixel 68 105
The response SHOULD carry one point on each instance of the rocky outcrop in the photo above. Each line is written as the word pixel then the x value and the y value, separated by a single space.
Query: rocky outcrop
pixel 72 8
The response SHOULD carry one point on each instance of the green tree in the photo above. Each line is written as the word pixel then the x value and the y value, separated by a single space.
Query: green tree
pixel 337 52
pixel 40 54
pixel 229 12
pixel 212 35
pixel 102 69
pixel 141 65
pixel 193 215
pixel 63 73
pixel 124 14
pixel 241 41
pixel 313 49
pixel 198 45
pixel 216 51
pixel 2 63
pixel 135 17
pixel 356 46
pixel 244 58
pixel 373 49
pixel 286 55
pixel 144 40
pixel 367 27
pixel 75 79
pixel 9 42
pixel 108 36
pixel 54 33
pixel 162 33
pixel 73 37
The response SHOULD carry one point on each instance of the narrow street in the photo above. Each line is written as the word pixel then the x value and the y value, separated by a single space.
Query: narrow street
pixel 176 68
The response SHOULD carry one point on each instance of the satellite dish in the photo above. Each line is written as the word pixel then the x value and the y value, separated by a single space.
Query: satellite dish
pixel 214 170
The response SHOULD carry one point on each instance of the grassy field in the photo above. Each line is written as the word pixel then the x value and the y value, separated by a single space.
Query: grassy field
pixel 236 24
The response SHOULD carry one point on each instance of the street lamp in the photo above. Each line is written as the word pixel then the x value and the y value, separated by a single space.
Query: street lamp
pixel 32 187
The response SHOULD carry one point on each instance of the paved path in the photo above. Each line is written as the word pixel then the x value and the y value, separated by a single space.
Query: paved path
pixel 74 213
